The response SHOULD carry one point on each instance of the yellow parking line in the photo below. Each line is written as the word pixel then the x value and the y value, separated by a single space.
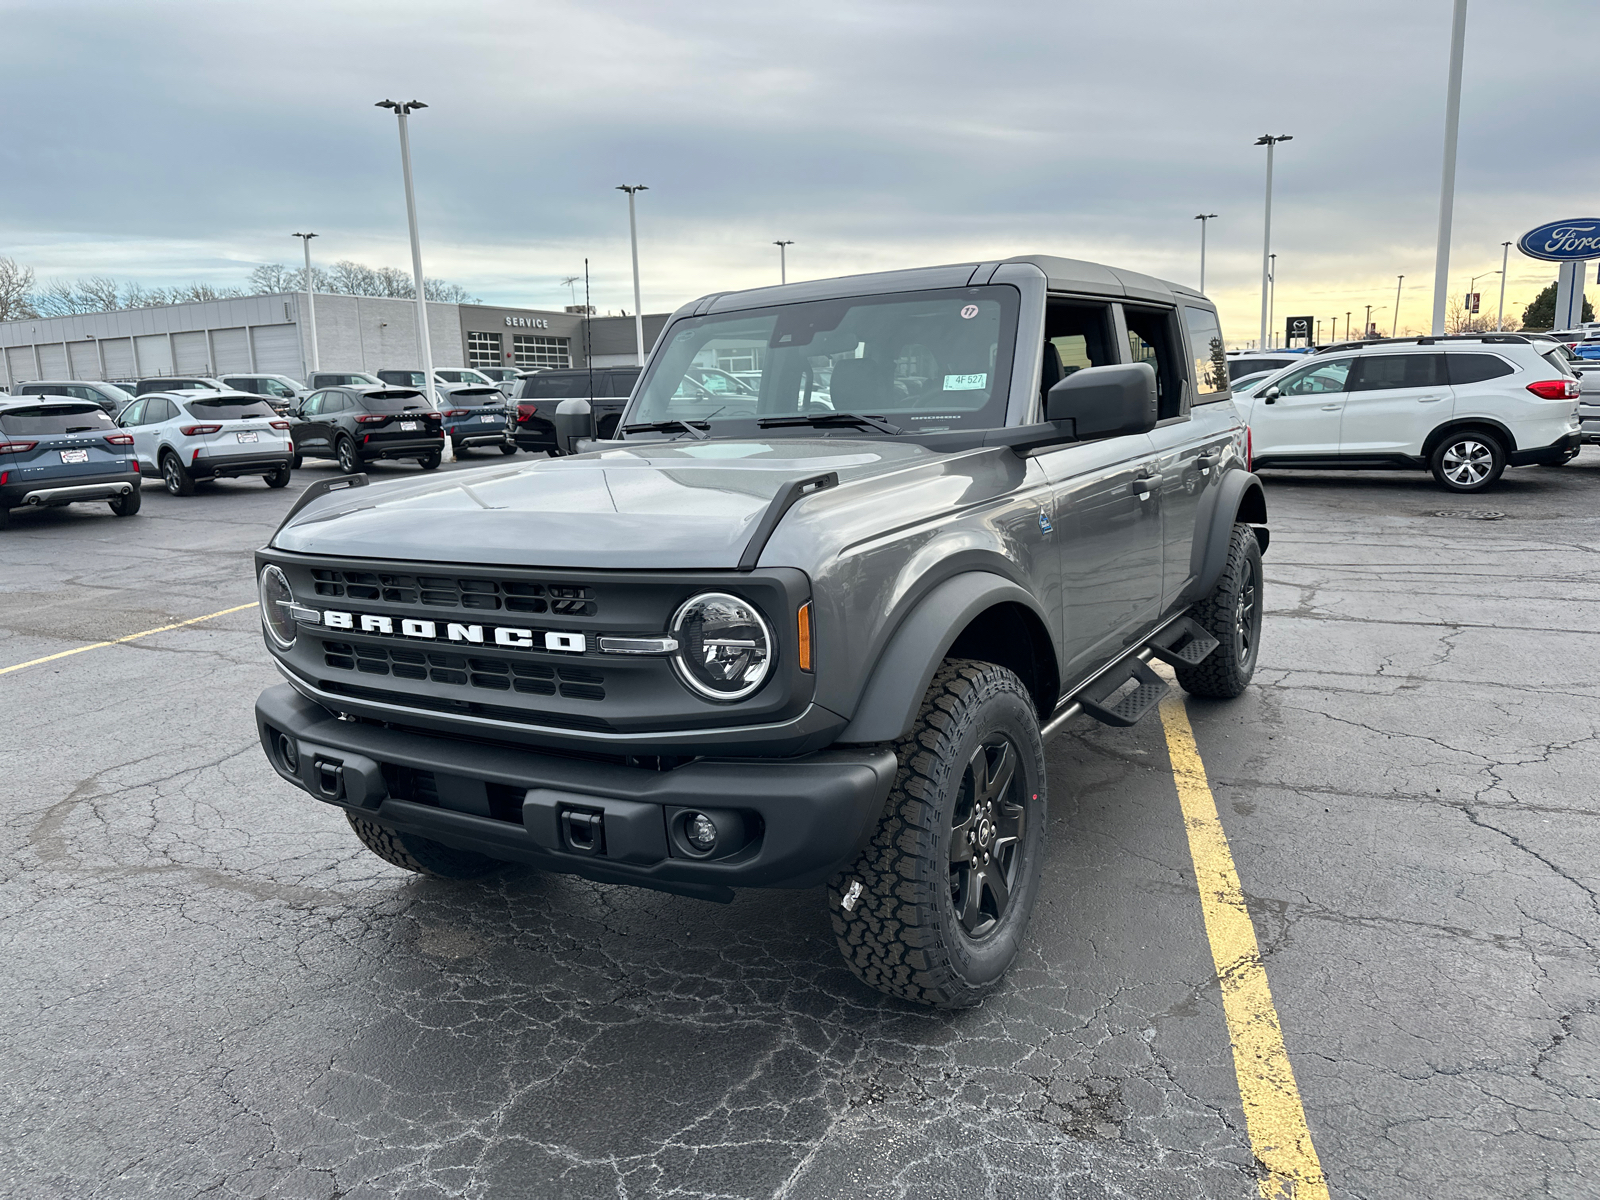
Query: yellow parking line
pixel 1273 1113
pixel 132 637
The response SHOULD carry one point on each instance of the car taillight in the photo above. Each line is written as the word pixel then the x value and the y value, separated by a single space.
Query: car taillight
pixel 527 410
pixel 192 430
pixel 457 412
pixel 16 447
pixel 373 419
pixel 120 439
pixel 1555 389
pixel 280 424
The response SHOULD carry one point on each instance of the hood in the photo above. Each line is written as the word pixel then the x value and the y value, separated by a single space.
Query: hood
pixel 664 505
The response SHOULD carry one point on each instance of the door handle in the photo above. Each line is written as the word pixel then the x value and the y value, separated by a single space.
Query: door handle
pixel 1143 485
pixel 1206 461
pixel 1428 399
pixel 1332 407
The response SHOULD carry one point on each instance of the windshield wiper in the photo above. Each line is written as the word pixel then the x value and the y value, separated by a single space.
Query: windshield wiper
pixel 697 432
pixel 833 418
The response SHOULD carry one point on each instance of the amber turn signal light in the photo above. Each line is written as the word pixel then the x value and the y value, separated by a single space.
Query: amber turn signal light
pixel 804 627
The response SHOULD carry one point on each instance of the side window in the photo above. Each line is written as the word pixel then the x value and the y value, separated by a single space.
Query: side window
pixel 1315 378
pixel 131 415
pixel 1076 336
pixel 333 402
pixel 1152 338
pixel 1380 372
pixel 1476 368
pixel 1207 353
pixel 313 405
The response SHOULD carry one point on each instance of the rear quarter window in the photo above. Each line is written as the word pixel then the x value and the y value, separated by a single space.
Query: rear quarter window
pixel 1207 354
pixel 1476 368
pixel 55 418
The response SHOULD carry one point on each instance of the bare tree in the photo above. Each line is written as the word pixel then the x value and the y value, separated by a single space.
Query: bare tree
pixel 1459 320
pixel 272 277
pixel 394 283
pixel 16 290
pixel 446 293
pixel 98 294
pixel 354 279
pixel 58 298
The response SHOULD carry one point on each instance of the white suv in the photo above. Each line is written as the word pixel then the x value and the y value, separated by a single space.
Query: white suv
pixel 1462 407
pixel 189 436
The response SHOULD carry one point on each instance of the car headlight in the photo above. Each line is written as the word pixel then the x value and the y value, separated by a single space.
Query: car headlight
pixel 276 598
pixel 724 646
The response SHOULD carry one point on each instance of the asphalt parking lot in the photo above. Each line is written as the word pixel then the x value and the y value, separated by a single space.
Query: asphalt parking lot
pixel 212 989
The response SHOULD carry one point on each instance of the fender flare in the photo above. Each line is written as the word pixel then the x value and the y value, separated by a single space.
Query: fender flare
pixel 1239 497
pixel 901 676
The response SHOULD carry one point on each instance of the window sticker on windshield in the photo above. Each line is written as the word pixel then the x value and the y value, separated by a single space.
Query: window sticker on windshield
pixel 969 312
pixel 965 383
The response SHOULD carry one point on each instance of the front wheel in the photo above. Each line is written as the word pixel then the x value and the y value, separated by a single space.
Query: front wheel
pixel 1467 462
pixel 1232 615
pixel 934 909
pixel 422 855
pixel 349 456
pixel 179 482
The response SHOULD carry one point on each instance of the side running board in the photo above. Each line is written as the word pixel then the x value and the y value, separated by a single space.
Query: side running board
pixel 1182 642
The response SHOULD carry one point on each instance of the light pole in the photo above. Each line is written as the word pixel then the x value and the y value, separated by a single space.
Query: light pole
pixel 1505 254
pixel 1269 141
pixel 1371 308
pixel 1347 327
pixel 1203 218
pixel 1472 287
pixel 633 234
pixel 402 111
pixel 1272 298
pixel 1447 185
pixel 1395 328
pixel 311 299
pixel 783 260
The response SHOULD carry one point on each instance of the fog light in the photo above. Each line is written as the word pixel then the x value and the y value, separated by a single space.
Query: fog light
pixel 700 831
pixel 289 755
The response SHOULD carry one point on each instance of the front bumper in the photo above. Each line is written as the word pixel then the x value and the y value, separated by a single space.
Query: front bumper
pixel 1557 451
pixel 227 466
pixel 801 819
pixel 69 489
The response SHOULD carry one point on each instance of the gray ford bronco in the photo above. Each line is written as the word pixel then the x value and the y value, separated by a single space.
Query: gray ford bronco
pixel 812 631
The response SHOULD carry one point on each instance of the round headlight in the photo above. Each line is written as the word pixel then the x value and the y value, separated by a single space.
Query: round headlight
pixel 724 647
pixel 276 597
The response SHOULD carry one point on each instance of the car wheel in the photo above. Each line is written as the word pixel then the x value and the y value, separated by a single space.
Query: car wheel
pixel 1232 615
pixel 278 478
pixel 934 909
pixel 429 462
pixel 422 855
pixel 179 482
pixel 127 505
pixel 508 449
pixel 295 463
pixel 349 456
pixel 1468 462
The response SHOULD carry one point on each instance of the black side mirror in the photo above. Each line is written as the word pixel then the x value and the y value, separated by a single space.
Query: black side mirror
pixel 1105 401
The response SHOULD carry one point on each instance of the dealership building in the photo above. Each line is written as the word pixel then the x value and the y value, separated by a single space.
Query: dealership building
pixel 271 334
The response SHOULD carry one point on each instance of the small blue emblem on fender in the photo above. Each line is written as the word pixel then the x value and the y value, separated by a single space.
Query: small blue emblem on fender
pixel 1044 523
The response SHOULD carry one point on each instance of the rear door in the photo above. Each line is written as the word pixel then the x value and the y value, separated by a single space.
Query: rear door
pixel 1393 401
pixel 154 411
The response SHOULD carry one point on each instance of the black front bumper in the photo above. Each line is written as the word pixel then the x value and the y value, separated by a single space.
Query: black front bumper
pixel 793 821
pixel 228 466
pixel 1557 451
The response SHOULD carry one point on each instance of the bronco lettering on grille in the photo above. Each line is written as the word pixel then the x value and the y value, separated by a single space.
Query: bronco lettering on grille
pixel 428 631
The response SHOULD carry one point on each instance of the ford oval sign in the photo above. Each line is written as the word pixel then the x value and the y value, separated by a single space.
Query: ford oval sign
pixel 1563 241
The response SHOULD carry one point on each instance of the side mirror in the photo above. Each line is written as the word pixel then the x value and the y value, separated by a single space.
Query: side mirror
pixel 1105 401
pixel 573 419
pixel 1270 394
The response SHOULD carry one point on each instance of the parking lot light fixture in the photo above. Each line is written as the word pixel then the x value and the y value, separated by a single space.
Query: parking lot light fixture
pixel 633 236
pixel 311 298
pixel 402 111
pixel 1505 256
pixel 1269 141
pixel 783 260
pixel 1203 218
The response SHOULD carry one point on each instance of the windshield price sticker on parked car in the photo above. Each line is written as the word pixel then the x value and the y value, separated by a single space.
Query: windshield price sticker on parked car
pixel 965 383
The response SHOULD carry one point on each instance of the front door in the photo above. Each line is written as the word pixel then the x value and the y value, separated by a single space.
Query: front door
pixel 310 433
pixel 1298 416
pixel 1393 402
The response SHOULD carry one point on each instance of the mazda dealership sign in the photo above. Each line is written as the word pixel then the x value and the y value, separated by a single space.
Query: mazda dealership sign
pixel 1563 241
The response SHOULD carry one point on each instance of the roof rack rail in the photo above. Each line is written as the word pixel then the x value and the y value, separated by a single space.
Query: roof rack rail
pixel 1491 339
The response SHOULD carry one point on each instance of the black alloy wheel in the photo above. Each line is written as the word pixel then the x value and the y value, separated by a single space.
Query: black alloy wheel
pixel 349 456
pixel 987 829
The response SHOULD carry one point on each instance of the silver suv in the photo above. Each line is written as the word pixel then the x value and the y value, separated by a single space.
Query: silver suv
pixel 1463 407
pixel 188 437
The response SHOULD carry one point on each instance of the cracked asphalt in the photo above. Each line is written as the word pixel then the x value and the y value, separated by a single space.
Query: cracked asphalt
pixel 212 990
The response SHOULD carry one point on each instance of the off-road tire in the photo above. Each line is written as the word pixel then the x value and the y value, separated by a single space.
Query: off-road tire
pixel 278 478
pixel 349 456
pixel 903 934
pixel 126 506
pixel 430 462
pixel 422 855
pixel 1452 459
pixel 177 480
pixel 1226 671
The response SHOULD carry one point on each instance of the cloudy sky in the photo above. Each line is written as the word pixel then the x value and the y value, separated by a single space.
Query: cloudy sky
pixel 173 140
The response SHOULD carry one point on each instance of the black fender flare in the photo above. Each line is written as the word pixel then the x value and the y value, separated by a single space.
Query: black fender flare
pixel 901 676
pixel 1239 497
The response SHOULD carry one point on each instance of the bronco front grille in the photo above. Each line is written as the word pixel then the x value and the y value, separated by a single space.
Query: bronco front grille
pixel 492 674
pixel 452 591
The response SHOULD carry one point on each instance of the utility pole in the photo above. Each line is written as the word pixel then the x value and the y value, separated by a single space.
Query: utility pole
pixel 1347 327
pixel 783 260
pixel 311 298
pixel 1505 256
pixel 1395 328
pixel 633 234
pixel 1269 141
pixel 1203 218
pixel 1447 185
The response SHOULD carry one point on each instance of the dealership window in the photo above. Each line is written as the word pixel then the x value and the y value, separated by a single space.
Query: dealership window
pixel 483 350
pixel 533 351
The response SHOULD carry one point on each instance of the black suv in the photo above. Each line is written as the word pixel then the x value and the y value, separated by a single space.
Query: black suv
pixel 358 424
pixel 606 389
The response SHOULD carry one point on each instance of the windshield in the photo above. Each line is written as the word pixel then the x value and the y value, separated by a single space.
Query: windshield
pixel 55 418
pixel 923 360
pixel 229 408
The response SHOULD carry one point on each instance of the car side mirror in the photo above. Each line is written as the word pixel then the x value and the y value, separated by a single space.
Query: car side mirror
pixel 1270 394
pixel 573 420
pixel 1105 401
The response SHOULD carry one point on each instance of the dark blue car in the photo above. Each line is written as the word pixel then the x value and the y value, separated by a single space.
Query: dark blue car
pixel 55 451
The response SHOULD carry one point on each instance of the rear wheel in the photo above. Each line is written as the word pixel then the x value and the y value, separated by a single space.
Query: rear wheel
pixel 934 909
pixel 349 456
pixel 5 515
pixel 508 449
pixel 278 478
pixel 1468 462
pixel 1232 615
pixel 422 855
pixel 429 462
pixel 179 482
pixel 126 506
pixel 295 463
